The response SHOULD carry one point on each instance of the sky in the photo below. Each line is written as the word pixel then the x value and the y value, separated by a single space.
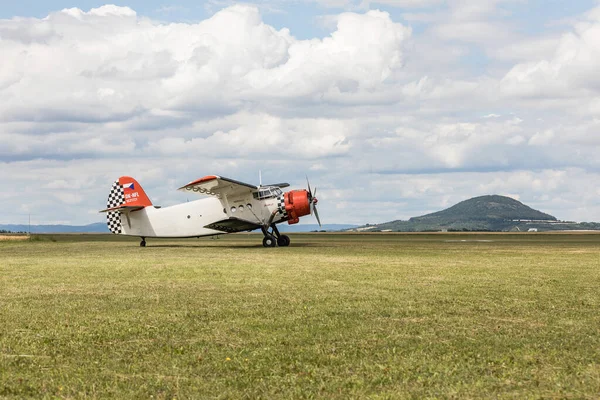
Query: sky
pixel 392 108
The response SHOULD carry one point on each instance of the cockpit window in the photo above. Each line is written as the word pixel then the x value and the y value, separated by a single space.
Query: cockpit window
pixel 267 193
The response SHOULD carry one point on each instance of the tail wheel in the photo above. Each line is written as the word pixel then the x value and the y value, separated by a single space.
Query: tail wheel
pixel 283 241
pixel 269 241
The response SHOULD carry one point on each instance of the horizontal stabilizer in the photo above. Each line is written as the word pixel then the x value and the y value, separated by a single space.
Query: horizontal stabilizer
pixel 123 209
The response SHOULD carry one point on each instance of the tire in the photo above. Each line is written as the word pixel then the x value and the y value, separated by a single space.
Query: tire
pixel 283 241
pixel 269 241
pixel 143 243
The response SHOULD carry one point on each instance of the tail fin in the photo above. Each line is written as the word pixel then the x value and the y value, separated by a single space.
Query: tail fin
pixel 126 194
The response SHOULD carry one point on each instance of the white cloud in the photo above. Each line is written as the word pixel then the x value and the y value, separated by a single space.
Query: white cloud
pixel 267 136
pixel 542 138
pixel 360 55
pixel 66 65
pixel 469 21
pixel 571 70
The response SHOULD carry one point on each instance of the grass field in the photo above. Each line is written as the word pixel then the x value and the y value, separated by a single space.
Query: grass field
pixel 332 316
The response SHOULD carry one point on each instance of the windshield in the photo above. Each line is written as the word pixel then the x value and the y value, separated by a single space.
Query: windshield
pixel 267 193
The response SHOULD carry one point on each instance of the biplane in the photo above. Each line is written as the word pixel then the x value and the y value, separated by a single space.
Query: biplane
pixel 227 206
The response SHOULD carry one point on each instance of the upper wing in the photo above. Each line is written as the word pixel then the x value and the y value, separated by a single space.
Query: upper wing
pixel 218 186
pixel 279 185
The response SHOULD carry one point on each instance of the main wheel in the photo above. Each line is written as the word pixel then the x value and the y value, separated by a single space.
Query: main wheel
pixel 283 241
pixel 269 241
pixel 143 243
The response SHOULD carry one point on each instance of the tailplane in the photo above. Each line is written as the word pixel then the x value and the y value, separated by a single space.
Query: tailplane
pixel 126 195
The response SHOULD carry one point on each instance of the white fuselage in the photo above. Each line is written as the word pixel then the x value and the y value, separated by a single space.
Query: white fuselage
pixel 189 219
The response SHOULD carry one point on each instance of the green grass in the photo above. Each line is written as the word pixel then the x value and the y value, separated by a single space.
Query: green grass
pixel 332 316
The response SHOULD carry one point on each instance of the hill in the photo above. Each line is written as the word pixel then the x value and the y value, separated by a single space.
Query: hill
pixel 485 208
pixel 484 213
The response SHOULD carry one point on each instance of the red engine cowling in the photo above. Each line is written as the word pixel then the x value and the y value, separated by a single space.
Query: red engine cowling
pixel 297 204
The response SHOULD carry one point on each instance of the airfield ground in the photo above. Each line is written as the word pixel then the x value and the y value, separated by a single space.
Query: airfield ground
pixel 13 237
pixel 332 316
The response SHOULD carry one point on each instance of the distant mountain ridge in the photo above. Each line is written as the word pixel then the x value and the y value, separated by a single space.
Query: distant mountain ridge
pixel 483 213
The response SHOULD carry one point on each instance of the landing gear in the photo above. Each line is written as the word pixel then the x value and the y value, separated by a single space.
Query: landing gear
pixel 143 242
pixel 274 238
pixel 283 241
pixel 269 241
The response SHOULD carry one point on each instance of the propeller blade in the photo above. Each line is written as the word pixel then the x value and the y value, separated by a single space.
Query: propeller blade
pixel 313 207
pixel 309 191
pixel 317 215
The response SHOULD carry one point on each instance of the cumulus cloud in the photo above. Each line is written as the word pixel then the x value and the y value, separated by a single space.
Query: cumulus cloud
pixel 360 55
pixel 109 63
pixel 265 135
pixel 572 68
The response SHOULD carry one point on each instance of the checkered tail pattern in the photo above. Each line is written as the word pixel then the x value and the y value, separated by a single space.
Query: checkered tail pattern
pixel 116 198
pixel 281 207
